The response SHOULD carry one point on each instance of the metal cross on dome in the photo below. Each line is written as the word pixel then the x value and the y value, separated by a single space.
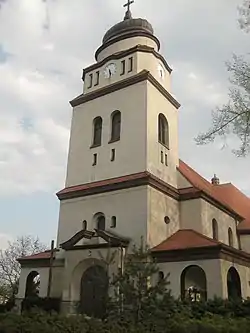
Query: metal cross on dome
pixel 128 14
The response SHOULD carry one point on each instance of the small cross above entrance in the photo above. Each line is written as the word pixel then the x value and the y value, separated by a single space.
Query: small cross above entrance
pixel 128 14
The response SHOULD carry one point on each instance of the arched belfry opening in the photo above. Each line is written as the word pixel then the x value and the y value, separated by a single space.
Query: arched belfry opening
pixel 32 284
pixel 193 284
pixel 97 131
pixel 94 292
pixel 233 284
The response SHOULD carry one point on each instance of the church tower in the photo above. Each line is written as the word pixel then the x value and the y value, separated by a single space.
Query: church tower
pixel 124 134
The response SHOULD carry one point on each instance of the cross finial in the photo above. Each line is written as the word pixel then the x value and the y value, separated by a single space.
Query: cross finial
pixel 128 14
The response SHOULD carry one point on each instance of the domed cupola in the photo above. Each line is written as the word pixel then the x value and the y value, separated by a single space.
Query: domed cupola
pixel 137 30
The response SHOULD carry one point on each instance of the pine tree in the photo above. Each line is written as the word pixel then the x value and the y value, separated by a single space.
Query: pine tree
pixel 140 289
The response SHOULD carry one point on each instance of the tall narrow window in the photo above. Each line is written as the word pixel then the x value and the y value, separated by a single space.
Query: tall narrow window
pixel 163 130
pixel 215 229
pixel 116 126
pixel 97 78
pixel 166 159
pixel 112 155
pixel 84 225
pixel 123 67
pixel 130 64
pixel 162 159
pixel 97 128
pixel 90 80
pixel 94 159
pixel 113 222
pixel 230 237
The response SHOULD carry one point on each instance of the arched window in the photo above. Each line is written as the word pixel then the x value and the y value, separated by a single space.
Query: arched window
pixel 32 284
pixel 230 237
pixel 215 229
pixel 233 284
pixel 97 131
pixel 115 126
pixel 113 222
pixel 100 221
pixel 160 276
pixel 163 130
pixel 84 225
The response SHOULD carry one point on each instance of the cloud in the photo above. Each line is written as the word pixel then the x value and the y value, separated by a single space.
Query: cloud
pixel 44 72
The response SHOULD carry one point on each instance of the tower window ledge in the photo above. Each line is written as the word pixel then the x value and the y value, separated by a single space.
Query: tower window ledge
pixel 95 145
pixel 114 140
pixel 164 145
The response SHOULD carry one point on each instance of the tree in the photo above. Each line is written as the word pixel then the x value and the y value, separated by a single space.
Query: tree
pixel 244 11
pixel 234 116
pixel 9 267
pixel 140 289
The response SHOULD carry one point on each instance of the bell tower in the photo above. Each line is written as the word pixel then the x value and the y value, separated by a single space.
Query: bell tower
pixel 124 123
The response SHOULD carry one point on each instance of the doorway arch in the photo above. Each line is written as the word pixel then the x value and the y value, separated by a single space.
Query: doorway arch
pixel 233 284
pixel 94 291
pixel 193 284
pixel 32 284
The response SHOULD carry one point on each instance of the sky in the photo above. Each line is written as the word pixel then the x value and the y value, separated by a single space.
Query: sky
pixel 45 44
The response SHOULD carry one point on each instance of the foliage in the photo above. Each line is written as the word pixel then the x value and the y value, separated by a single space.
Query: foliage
pixel 244 11
pixel 47 304
pixel 43 323
pixel 9 266
pixel 137 297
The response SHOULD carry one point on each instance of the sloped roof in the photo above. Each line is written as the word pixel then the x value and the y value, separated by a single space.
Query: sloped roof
pixel 37 256
pixel 226 194
pixel 185 239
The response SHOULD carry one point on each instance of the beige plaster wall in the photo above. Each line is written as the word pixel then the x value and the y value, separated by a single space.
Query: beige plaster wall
pixel 245 242
pixel 182 181
pixel 130 150
pixel 211 268
pixel 129 206
pixel 126 44
pixel 191 215
pixel 44 276
pixel 157 104
pixel 210 212
pixel 159 206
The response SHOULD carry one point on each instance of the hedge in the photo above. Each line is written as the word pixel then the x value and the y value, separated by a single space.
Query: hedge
pixel 44 323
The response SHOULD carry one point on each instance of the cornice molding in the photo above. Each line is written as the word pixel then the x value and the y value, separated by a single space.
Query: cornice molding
pixel 140 77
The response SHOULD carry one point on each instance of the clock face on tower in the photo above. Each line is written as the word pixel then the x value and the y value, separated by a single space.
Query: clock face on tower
pixel 109 70
pixel 161 71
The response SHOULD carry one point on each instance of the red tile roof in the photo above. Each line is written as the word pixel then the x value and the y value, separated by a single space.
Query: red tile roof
pixel 185 239
pixel 37 256
pixel 227 194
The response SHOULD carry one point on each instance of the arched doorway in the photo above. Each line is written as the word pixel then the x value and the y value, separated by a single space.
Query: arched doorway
pixel 94 292
pixel 193 284
pixel 32 284
pixel 233 284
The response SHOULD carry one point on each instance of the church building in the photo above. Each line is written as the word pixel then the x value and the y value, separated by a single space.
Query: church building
pixel 126 182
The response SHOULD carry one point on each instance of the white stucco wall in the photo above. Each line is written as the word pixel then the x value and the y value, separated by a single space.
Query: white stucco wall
pixel 129 206
pixel 44 277
pixel 159 206
pixel 157 104
pixel 130 150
